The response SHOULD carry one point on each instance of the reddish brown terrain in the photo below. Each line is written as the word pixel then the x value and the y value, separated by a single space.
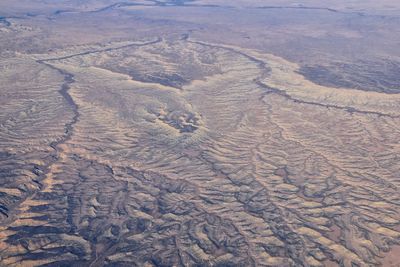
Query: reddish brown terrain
pixel 199 133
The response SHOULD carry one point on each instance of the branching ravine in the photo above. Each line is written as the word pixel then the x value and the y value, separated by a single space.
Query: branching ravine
pixel 269 90
pixel 157 40
pixel 68 127
pixel 55 145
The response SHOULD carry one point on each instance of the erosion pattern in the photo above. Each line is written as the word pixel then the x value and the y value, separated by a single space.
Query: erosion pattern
pixel 182 152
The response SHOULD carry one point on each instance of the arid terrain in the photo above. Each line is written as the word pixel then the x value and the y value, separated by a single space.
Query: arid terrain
pixel 200 133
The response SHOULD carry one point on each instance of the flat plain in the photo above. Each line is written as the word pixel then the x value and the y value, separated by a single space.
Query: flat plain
pixel 200 133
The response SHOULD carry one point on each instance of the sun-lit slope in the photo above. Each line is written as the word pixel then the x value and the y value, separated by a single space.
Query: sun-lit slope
pixel 30 125
pixel 318 173
pixel 208 154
